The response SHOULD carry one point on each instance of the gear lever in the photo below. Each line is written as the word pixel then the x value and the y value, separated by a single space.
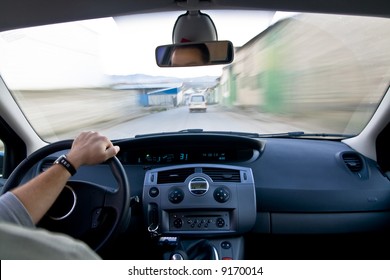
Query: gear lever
pixel 199 250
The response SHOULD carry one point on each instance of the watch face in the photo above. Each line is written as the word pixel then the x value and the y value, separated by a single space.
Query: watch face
pixel 62 160
pixel 57 161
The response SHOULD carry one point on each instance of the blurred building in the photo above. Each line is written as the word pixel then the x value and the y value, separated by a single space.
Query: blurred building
pixel 301 65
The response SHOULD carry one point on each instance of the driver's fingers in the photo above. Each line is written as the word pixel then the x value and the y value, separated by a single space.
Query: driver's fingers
pixel 112 151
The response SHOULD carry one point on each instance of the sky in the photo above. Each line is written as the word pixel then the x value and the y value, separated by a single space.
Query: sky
pixel 83 53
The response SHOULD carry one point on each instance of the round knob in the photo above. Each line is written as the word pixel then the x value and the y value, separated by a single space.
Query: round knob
pixel 176 196
pixel 178 223
pixel 154 192
pixel 220 222
pixel 221 194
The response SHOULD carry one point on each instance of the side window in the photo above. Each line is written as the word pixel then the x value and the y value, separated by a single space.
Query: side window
pixel 2 180
pixel 1 158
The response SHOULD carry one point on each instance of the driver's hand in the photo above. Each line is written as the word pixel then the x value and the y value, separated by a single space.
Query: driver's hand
pixel 91 148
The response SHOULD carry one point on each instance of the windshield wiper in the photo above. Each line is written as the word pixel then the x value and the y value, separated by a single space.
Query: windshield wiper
pixel 238 133
pixel 199 130
pixel 302 134
pixel 291 134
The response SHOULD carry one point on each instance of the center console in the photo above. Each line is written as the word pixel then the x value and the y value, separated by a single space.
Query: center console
pixel 203 207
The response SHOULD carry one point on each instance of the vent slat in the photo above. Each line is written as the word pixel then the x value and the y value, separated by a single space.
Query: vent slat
pixel 222 174
pixel 353 162
pixel 174 175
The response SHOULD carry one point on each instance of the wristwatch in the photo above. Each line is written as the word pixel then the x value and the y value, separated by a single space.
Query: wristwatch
pixel 62 160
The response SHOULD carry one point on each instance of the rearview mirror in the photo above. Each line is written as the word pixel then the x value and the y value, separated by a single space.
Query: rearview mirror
pixel 195 54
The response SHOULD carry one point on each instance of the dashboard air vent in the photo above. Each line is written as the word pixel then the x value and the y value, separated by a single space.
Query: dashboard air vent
pixel 45 164
pixel 174 175
pixel 222 174
pixel 353 161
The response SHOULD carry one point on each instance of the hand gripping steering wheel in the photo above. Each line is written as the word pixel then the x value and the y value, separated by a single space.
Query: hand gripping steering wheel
pixel 85 210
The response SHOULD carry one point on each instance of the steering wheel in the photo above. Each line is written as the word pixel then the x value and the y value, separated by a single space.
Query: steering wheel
pixel 84 210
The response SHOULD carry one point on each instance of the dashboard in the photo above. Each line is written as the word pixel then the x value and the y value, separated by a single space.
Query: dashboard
pixel 220 186
pixel 324 185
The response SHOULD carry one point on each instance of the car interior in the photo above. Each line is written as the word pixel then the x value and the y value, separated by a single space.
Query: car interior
pixel 291 159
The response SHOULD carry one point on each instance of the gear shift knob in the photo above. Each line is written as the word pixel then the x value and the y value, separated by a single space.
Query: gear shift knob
pixel 177 257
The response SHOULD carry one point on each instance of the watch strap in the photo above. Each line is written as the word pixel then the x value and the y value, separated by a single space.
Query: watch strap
pixel 62 160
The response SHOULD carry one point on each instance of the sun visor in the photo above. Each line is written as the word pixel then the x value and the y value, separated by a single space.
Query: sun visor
pixel 194 26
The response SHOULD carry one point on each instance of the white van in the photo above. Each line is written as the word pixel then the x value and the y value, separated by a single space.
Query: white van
pixel 197 103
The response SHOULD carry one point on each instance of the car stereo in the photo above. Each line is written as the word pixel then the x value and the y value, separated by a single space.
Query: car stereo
pixel 198 199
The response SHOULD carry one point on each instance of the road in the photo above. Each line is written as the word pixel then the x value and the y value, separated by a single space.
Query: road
pixel 121 117
pixel 179 118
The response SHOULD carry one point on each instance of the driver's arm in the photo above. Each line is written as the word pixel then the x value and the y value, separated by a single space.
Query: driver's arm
pixel 39 194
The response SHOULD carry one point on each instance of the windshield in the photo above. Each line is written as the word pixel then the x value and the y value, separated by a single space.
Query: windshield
pixel 314 73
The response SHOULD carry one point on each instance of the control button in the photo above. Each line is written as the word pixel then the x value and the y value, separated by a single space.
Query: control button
pixel 96 217
pixel 176 196
pixel 154 192
pixel 220 222
pixel 226 245
pixel 178 223
pixel 221 194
